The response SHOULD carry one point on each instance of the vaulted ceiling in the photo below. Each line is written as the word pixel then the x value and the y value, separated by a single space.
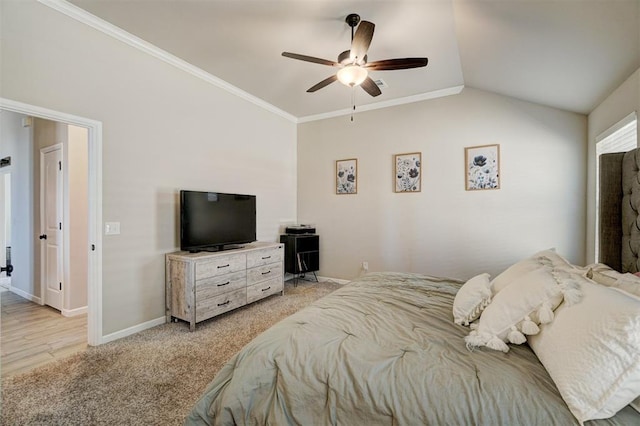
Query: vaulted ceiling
pixel 567 54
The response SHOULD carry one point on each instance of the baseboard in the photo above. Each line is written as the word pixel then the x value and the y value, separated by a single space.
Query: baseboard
pixel 74 312
pixel 288 276
pixel 38 300
pixel 334 280
pixel 26 295
pixel 132 330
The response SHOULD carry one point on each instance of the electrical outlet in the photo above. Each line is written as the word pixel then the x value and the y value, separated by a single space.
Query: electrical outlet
pixel 365 265
pixel 112 228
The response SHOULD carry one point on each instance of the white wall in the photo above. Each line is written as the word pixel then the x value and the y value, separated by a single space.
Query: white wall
pixel 163 130
pixel 16 141
pixel 445 230
pixel 620 103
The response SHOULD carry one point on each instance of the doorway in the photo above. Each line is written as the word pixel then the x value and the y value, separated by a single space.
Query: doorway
pixel 94 216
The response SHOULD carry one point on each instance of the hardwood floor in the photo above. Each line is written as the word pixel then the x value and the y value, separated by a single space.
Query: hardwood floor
pixel 32 335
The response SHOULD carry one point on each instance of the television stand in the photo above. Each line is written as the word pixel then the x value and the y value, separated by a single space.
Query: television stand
pixel 215 249
pixel 231 247
pixel 202 285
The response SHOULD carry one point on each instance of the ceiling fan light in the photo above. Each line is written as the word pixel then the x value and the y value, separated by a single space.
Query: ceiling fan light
pixel 352 75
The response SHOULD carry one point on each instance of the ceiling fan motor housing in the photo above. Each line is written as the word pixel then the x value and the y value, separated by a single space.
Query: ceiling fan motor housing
pixel 352 19
pixel 345 58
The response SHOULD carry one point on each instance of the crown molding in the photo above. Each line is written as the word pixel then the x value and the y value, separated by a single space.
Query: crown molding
pixel 109 29
pixel 385 104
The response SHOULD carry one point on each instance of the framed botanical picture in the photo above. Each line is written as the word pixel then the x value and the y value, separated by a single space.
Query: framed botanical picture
pixel 408 172
pixel 347 176
pixel 482 167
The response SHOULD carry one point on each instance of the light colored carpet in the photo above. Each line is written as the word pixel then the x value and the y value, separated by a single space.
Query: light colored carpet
pixel 151 378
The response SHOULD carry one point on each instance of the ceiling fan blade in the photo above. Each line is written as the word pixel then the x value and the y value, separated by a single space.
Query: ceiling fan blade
pixel 396 64
pixel 361 41
pixel 310 59
pixel 371 87
pixel 323 83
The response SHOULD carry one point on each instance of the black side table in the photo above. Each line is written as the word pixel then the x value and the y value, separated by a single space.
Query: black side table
pixel 301 254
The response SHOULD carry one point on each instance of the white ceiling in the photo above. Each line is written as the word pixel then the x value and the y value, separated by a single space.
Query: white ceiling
pixel 567 54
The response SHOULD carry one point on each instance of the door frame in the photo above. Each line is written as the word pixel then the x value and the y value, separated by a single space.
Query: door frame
pixel 94 279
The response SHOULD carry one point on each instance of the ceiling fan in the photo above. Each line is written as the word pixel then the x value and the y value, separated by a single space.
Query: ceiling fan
pixel 354 68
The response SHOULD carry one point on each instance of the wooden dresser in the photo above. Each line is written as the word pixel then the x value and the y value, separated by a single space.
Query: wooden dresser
pixel 202 285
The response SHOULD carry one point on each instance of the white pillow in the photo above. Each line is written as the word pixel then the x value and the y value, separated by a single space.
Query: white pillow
pixel 471 299
pixel 518 309
pixel 592 352
pixel 600 267
pixel 612 278
pixel 542 258
pixel 629 283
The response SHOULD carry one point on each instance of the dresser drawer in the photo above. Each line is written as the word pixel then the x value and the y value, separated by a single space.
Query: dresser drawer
pixel 264 289
pixel 265 256
pixel 220 265
pixel 217 305
pixel 261 273
pixel 214 286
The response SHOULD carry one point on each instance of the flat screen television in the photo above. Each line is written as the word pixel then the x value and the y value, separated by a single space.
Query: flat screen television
pixel 212 220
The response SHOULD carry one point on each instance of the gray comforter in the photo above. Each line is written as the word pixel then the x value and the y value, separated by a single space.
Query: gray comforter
pixel 383 350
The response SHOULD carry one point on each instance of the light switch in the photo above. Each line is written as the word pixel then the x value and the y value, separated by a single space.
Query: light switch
pixel 112 228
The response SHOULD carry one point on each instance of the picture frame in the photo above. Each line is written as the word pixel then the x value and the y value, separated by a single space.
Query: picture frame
pixel 408 172
pixel 482 167
pixel 347 176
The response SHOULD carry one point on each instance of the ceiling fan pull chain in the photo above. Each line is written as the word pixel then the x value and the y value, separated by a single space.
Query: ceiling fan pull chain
pixel 353 101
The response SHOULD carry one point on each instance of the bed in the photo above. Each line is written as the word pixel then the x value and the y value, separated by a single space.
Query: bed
pixel 391 349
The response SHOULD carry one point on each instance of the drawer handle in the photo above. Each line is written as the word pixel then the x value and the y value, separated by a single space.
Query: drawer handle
pixel 267 257
pixel 265 289
pixel 220 285
pixel 225 303
pixel 223 266
pixel 265 273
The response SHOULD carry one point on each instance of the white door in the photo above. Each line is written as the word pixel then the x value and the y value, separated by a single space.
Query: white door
pixel 5 228
pixel 51 224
